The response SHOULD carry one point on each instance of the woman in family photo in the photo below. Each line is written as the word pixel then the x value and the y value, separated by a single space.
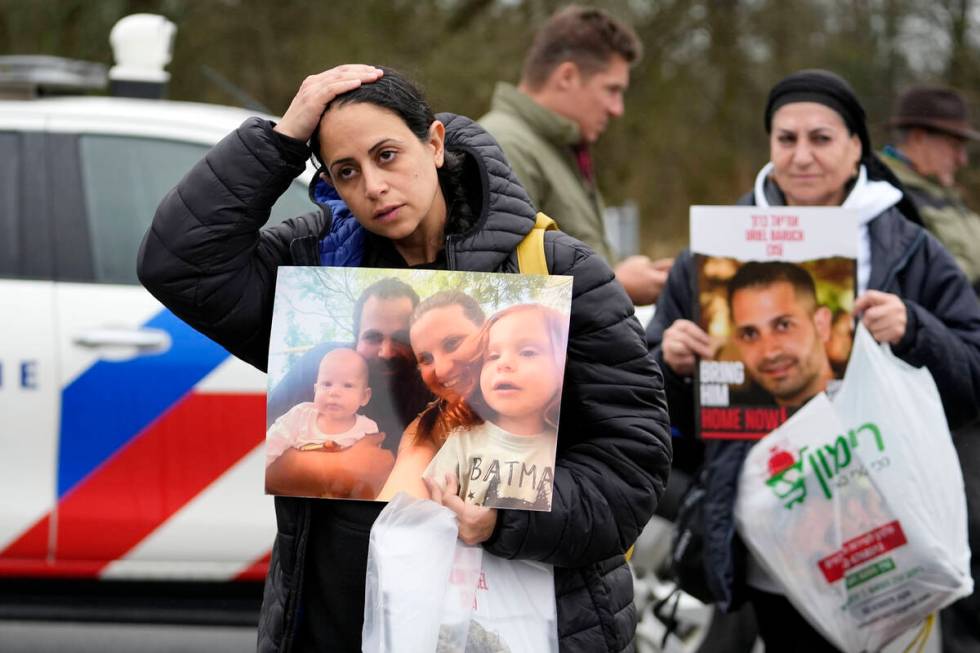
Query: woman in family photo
pixel 440 326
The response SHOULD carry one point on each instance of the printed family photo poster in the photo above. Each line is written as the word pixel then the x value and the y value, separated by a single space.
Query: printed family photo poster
pixel 378 378
pixel 775 291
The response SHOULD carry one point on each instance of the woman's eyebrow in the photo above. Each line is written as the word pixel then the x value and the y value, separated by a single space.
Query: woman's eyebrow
pixel 371 150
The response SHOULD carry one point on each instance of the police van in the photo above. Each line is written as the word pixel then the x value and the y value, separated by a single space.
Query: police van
pixel 130 445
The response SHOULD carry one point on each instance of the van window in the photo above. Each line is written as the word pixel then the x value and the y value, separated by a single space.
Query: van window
pixel 124 179
pixel 9 203
pixel 25 229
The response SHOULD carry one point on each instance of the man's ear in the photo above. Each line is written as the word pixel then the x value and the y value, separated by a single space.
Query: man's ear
pixel 566 75
pixel 437 140
pixel 822 319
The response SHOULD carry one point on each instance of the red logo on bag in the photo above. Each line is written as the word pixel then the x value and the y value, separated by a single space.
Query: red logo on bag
pixel 780 460
pixel 862 548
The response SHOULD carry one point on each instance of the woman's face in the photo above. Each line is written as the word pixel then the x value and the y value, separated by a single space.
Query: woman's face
pixel 813 154
pixel 436 336
pixel 384 173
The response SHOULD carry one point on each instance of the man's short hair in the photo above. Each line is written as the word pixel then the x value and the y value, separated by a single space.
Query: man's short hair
pixel 586 36
pixel 762 274
pixel 387 288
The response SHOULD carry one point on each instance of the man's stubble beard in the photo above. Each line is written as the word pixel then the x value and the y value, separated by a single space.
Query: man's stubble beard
pixel 404 384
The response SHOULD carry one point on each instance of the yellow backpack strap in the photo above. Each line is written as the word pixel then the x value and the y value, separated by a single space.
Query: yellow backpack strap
pixel 530 251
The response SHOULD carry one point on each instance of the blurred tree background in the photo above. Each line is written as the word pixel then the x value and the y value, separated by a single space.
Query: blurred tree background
pixel 692 133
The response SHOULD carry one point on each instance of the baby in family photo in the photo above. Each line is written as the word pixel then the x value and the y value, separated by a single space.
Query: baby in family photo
pixel 331 422
pixel 503 450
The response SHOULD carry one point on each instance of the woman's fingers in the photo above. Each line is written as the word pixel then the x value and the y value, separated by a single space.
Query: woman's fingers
pixel 883 314
pixel 316 91
pixel 683 341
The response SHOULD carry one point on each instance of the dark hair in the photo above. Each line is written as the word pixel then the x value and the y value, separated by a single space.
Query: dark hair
pixel 433 420
pixel 396 93
pixel 471 308
pixel 587 37
pixel 387 288
pixel 761 274
pixel 392 91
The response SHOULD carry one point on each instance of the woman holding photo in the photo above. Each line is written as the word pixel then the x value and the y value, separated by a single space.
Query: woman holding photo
pixel 911 295
pixel 429 193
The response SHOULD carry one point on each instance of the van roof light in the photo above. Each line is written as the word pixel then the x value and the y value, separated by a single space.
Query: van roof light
pixel 142 44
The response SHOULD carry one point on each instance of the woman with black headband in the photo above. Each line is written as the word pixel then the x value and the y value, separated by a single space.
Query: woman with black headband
pixel 911 295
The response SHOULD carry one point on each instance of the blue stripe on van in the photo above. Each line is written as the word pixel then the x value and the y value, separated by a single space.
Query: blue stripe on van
pixel 112 401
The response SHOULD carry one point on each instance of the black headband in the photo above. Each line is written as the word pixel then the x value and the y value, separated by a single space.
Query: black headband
pixel 826 88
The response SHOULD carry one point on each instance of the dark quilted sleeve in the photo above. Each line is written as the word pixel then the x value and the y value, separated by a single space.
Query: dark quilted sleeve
pixel 943 330
pixel 613 441
pixel 206 256
pixel 675 303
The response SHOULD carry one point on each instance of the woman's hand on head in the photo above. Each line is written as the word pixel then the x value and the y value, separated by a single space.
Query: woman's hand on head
pixel 476 523
pixel 683 342
pixel 316 91
pixel 883 314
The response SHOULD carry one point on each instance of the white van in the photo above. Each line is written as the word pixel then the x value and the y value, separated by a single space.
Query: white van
pixel 130 445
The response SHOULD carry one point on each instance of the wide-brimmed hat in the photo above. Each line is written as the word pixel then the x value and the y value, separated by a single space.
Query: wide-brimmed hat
pixel 937 108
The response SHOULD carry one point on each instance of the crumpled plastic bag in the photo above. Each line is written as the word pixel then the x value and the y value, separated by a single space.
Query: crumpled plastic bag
pixel 427 592
pixel 856 505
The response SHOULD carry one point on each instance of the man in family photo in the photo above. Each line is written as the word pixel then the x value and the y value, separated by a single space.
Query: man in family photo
pixel 381 360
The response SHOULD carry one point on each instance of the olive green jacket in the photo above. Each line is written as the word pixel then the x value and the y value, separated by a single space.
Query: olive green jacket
pixel 538 143
pixel 943 213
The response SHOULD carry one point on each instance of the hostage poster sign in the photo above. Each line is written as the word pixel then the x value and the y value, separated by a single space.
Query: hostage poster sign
pixel 775 289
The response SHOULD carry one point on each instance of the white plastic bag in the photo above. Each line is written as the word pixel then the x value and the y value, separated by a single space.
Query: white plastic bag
pixel 856 506
pixel 410 558
pixel 514 608
pixel 427 592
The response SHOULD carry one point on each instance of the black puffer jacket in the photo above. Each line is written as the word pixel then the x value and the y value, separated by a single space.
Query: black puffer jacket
pixel 942 334
pixel 209 260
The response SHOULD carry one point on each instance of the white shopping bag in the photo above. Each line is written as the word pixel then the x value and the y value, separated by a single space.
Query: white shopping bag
pixel 427 592
pixel 410 559
pixel 856 505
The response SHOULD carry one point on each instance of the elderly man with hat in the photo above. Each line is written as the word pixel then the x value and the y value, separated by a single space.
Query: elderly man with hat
pixel 933 130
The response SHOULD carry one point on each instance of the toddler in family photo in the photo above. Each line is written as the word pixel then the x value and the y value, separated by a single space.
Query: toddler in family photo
pixel 503 450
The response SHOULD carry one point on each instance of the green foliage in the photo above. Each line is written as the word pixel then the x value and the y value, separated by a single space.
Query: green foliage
pixel 692 132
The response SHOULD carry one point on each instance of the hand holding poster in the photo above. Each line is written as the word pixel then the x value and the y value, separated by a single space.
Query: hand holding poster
pixel 378 378
pixel 775 289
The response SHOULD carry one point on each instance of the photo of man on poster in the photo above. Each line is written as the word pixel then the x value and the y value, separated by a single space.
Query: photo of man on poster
pixel 779 330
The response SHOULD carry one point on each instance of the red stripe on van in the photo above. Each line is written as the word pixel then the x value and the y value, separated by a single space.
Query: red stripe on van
pixel 156 474
pixel 32 545
pixel 257 570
